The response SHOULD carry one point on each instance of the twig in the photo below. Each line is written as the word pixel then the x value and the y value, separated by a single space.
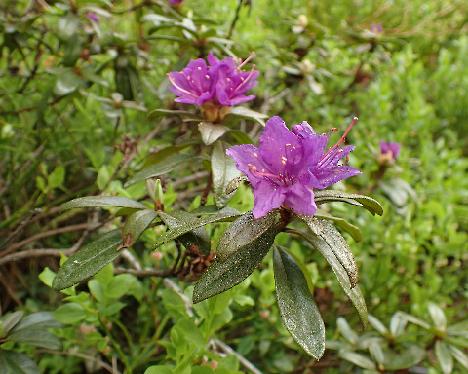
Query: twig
pixel 190 178
pixel 41 252
pixel 42 235
pixel 131 259
pixel 228 350
pixel 235 19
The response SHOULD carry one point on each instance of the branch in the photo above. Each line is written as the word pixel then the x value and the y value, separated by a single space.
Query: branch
pixel 228 350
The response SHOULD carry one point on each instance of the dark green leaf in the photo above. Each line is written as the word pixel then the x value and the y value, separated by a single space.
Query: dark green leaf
pixel 296 303
pixel 17 363
pixel 160 168
pixel 33 330
pixel 211 132
pixel 224 171
pixel 223 215
pixel 358 360
pixel 327 196
pixel 8 321
pixel 247 231
pixel 197 236
pixel 444 356
pixel 102 201
pixel 136 224
pixel 351 229
pixel 89 260
pixel 225 274
pixel 336 243
pixel 353 293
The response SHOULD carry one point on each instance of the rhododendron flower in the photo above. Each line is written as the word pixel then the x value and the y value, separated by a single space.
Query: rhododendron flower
pixel 175 2
pixel 92 16
pixel 389 151
pixel 288 165
pixel 218 83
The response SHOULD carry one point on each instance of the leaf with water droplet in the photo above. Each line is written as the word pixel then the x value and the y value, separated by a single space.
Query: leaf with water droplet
pixel 353 293
pixel 223 215
pixel 328 196
pixel 137 223
pixel 296 303
pixel 89 260
pixel 331 236
pixel 233 268
pixel 102 201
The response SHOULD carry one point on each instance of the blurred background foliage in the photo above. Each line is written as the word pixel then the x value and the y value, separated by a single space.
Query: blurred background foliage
pixel 79 81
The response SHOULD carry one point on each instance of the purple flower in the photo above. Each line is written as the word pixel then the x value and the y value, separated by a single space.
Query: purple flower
pixel 389 151
pixel 92 16
pixel 287 165
pixel 220 82
pixel 175 2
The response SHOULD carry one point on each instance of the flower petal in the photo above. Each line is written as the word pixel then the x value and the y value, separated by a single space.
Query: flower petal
pixel 267 196
pixel 277 143
pixel 327 177
pixel 247 160
pixel 301 199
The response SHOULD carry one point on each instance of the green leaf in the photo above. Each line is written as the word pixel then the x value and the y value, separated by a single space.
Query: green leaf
pixel 444 356
pixel 407 357
pixel 353 293
pixel 296 303
pixel 37 336
pixel 358 360
pixel 461 357
pixel 438 316
pixel 136 224
pixel 160 369
pixel 102 201
pixel 233 269
pixel 225 214
pixel 9 321
pixel 89 260
pixel 160 168
pixel 17 363
pixel 397 324
pixel 327 196
pixel 336 243
pixel 197 236
pixel 247 231
pixel 376 324
pixel 224 171
pixel 70 313
pixel 351 229
pixel 56 178
pixel 248 113
pixel 211 132
pixel 345 329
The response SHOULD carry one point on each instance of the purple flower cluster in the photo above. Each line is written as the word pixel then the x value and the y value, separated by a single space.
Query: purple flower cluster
pixel 287 165
pixel 175 2
pixel 219 82
pixel 389 151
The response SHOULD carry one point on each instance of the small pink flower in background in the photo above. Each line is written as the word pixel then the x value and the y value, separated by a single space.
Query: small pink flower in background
pixel 376 28
pixel 213 85
pixel 389 151
pixel 288 165
pixel 92 16
pixel 175 2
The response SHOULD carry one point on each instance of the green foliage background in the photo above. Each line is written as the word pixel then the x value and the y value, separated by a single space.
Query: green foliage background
pixel 65 133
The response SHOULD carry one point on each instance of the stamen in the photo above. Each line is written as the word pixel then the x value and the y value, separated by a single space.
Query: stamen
pixel 246 80
pixel 252 55
pixel 284 160
pixel 328 155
